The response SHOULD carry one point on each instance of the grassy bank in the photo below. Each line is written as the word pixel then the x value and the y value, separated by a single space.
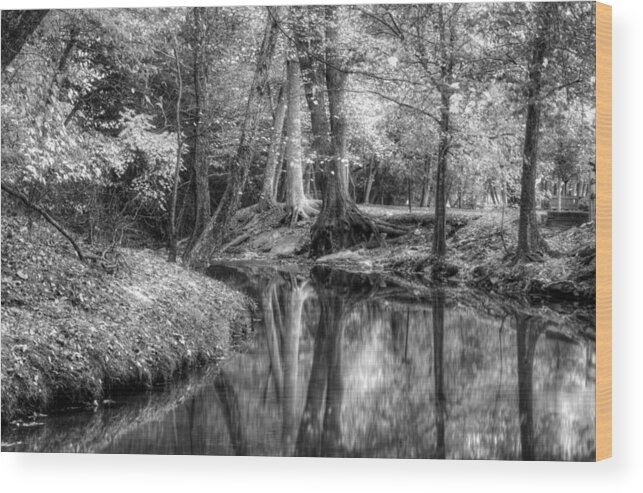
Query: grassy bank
pixel 72 332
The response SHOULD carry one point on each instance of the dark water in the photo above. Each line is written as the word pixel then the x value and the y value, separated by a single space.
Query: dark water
pixel 353 366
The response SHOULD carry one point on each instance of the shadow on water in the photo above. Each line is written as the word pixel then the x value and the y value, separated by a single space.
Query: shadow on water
pixel 348 365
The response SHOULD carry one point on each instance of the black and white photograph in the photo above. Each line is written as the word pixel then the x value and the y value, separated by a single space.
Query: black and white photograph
pixel 354 231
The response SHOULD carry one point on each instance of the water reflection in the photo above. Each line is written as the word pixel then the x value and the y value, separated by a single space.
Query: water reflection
pixel 349 366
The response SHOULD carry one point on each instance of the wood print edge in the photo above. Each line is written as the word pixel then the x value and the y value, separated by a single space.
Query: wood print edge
pixel 603 231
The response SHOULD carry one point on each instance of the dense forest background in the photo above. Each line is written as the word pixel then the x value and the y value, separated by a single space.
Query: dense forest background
pixel 131 126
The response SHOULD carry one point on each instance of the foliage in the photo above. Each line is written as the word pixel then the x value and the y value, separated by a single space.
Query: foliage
pixel 88 106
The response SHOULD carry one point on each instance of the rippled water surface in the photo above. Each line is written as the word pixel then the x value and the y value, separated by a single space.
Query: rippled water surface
pixel 351 366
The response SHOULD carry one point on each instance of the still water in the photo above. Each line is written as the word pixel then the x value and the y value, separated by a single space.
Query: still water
pixel 351 366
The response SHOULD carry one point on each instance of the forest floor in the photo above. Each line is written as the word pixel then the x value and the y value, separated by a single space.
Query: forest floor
pixel 480 246
pixel 71 333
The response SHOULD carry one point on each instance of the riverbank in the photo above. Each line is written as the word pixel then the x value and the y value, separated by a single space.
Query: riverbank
pixel 71 333
pixel 480 246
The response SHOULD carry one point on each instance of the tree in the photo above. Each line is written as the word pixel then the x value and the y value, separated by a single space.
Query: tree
pixel 268 197
pixel 212 236
pixel 308 39
pixel 340 223
pixel 299 207
pixel 172 235
pixel 529 239
pixel 198 40
pixel 446 26
pixel 426 53
pixel 17 26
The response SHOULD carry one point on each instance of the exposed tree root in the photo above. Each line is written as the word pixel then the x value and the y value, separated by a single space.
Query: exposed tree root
pixel 536 255
pixel 264 205
pixel 302 212
pixel 336 230
pixel 391 230
pixel 236 241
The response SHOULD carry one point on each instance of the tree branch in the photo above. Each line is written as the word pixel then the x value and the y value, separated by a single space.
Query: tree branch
pixel 46 215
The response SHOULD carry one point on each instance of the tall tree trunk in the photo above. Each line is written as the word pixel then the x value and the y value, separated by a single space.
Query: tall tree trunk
pixel 217 227
pixel 17 26
pixel 340 224
pixel 314 79
pixel 201 181
pixel 529 239
pixel 271 178
pixel 446 75
pixel 298 206
pixel 172 237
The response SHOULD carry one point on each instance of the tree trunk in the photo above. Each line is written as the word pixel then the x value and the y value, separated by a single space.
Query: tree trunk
pixel 201 181
pixel 426 189
pixel 214 232
pixel 446 73
pixel 313 76
pixel 308 173
pixel 280 183
pixel 172 237
pixel 340 224
pixel 439 228
pixel 271 178
pixel 17 26
pixel 298 206
pixel 369 181
pixel 529 239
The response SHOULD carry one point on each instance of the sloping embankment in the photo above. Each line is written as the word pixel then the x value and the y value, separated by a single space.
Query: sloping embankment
pixel 71 332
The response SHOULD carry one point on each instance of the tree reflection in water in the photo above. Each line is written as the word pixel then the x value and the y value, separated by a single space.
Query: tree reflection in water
pixel 438 372
pixel 384 379
pixel 352 365
pixel 527 333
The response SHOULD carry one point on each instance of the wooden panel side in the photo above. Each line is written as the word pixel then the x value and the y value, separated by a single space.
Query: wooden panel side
pixel 603 231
